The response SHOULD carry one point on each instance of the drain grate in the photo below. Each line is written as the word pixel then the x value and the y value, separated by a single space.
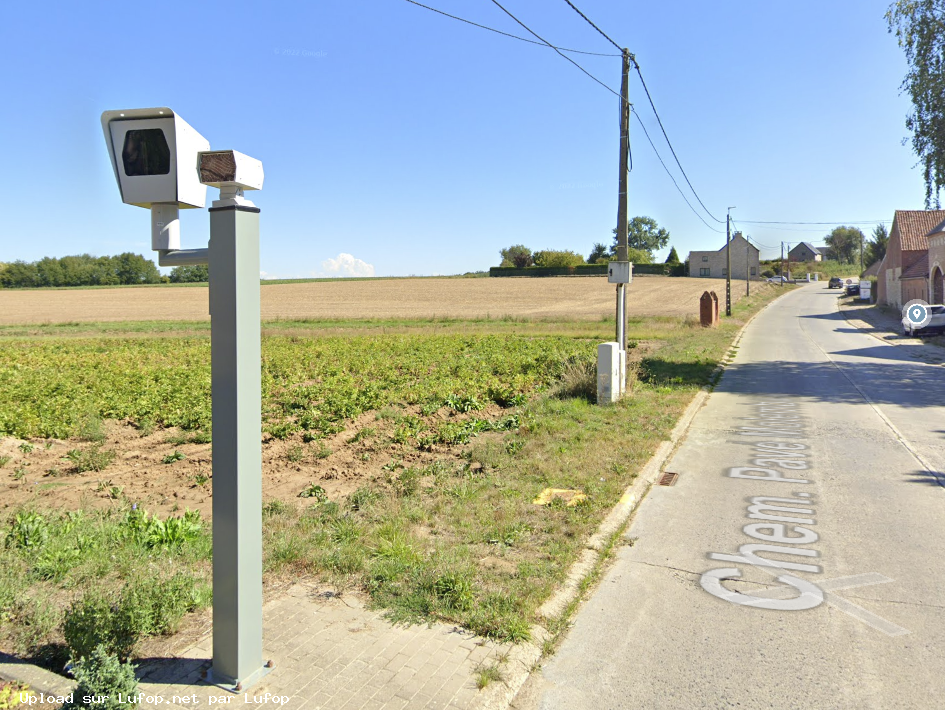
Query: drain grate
pixel 669 479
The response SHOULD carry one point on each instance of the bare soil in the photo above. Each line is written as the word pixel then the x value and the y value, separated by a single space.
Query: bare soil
pixel 46 478
pixel 572 298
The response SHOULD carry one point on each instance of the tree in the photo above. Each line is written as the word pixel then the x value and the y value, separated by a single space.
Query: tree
pixel 845 242
pixel 549 258
pixel 919 26
pixel 673 257
pixel 517 255
pixel 135 269
pixel 599 253
pixel 876 247
pixel 189 274
pixel 639 256
pixel 645 234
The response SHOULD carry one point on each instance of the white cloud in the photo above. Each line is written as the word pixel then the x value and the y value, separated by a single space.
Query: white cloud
pixel 347 265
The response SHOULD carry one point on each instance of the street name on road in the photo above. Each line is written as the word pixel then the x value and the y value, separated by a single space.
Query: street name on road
pixel 785 526
pixel 779 533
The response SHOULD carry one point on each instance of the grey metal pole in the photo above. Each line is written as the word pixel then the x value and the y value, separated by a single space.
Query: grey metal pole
pixel 237 447
pixel 747 268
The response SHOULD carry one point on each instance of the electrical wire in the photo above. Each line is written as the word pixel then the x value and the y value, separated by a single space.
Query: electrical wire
pixel 681 193
pixel 873 221
pixel 496 3
pixel 506 34
pixel 636 64
pixel 586 19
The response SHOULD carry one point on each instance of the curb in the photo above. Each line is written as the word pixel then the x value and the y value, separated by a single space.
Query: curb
pixel 525 658
pixel 38 679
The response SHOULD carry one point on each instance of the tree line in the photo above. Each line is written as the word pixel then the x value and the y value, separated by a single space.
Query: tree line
pixel 846 244
pixel 87 270
pixel 644 236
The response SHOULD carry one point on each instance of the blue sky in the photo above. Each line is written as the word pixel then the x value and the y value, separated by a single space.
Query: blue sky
pixel 397 141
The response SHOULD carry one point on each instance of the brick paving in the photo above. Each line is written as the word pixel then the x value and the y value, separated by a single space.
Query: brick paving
pixel 332 653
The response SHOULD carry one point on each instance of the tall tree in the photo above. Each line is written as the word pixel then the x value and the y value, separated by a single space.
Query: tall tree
pixel 600 251
pixel 645 234
pixel 517 255
pixel 876 247
pixel 919 26
pixel 845 243
pixel 673 257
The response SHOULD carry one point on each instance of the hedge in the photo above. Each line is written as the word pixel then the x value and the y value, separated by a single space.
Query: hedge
pixel 587 270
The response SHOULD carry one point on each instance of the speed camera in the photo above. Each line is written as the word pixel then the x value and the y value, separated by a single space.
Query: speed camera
pixel 154 154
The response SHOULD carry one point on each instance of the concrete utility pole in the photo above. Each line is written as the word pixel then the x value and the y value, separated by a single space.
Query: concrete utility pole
pixel 622 219
pixel 728 262
pixel 782 263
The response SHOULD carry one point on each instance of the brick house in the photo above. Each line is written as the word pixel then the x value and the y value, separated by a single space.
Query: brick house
pixel 712 264
pixel 936 262
pixel 904 272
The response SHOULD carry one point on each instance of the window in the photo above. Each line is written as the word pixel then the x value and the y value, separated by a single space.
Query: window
pixel 754 271
pixel 705 258
pixel 703 272
pixel 146 153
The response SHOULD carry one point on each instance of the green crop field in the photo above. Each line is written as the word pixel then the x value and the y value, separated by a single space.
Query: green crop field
pixel 49 387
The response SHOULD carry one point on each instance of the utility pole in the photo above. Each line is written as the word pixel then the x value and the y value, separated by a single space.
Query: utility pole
pixel 747 267
pixel 622 220
pixel 728 263
pixel 782 264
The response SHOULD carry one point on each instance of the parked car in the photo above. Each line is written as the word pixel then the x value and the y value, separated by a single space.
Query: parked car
pixel 777 280
pixel 853 289
pixel 835 282
pixel 935 325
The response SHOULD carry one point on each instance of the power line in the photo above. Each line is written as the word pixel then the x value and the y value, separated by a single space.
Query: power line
pixel 655 112
pixel 506 34
pixel 872 221
pixel 653 106
pixel 573 7
pixel 496 2
pixel 681 193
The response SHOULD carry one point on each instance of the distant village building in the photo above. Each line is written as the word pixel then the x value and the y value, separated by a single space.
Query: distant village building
pixel 805 251
pixel 712 264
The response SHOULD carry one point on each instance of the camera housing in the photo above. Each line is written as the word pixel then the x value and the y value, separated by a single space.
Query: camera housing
pixel 153 152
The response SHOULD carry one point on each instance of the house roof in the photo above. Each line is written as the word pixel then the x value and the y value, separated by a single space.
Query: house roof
pixel 873 269
pixel 919 269
pixel 913 226
pixel 809 246
pixel 738 236
pixel 937 230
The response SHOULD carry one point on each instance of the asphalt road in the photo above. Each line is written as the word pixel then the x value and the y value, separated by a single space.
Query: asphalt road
pixel 695 614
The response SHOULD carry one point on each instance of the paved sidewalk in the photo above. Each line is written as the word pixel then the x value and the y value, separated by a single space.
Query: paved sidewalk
pixel 885 324
pixel 329 653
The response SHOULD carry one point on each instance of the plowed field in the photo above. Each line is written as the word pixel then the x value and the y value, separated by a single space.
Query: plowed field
pixel 546 298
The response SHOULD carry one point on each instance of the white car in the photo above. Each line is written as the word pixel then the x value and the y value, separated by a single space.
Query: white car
pixel 935 325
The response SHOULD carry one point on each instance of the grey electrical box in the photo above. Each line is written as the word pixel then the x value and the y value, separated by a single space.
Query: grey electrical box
pixel 620 272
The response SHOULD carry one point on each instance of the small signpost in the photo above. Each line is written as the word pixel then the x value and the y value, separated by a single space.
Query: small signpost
pixel 163 164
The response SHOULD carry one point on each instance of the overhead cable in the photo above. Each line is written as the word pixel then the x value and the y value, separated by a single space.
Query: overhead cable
pixel 496 2
pixel 506 34
pixel 573 7
pixel 681 193
pixel 636 64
